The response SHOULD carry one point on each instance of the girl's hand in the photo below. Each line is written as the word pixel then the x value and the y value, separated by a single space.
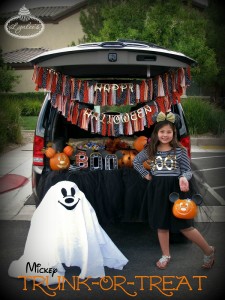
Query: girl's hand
pixel 184 184
pixel 148 177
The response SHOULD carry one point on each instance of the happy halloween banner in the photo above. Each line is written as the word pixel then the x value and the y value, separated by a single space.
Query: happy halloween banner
pixel 110 124
pixel 69 95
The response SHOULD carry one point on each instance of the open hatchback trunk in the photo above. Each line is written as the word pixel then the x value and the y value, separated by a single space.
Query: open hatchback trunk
pixel 119 59
pixel 100 97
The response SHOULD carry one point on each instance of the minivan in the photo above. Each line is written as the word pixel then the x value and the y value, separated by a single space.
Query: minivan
pixel 87 83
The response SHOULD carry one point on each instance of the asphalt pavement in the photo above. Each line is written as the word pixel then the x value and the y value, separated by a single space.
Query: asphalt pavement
pixel 140 279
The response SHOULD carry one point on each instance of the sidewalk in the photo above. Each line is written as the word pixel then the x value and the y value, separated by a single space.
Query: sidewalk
pixel 208 143
pixel 19 161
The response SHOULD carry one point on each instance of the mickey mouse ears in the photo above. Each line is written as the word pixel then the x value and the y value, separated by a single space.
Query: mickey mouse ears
pixel 197 198
pixel 173 197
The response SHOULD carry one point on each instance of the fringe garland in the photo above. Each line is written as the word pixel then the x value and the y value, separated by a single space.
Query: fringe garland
pixel 107 124
pixel 170 85
pixel 69 96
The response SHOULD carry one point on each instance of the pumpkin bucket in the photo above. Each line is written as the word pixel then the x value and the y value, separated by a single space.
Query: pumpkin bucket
pixel 185 208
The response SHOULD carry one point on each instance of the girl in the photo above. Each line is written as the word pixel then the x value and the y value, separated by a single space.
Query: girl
pixel 170 172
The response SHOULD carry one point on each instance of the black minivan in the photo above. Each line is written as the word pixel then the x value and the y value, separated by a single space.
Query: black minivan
pixel 88 81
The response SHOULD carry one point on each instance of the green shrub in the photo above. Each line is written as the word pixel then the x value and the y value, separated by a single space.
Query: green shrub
pixel 30 107
pixel 29 103
pixel 203 117
pixel 3 131
pixel 8 78
pixel 10 131
pixel 21 96
pixel 115 108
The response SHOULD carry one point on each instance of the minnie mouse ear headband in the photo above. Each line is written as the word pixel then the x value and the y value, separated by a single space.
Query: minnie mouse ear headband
pixel 171 117
pixel 166 117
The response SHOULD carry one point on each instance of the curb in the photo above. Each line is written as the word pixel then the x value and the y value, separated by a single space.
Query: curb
pixel 207 141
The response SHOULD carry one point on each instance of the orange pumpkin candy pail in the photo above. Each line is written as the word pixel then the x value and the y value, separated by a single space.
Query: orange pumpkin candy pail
pixel 185 208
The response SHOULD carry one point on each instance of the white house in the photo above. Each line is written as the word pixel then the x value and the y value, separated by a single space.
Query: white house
pixel 61 27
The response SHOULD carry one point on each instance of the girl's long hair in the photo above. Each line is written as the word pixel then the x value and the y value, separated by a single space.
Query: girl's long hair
pixel 152 146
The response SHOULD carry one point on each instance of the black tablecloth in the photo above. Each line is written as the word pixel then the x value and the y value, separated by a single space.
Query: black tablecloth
pixel 116 195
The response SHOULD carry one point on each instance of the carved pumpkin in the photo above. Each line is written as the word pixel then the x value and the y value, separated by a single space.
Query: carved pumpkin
pixel 185 209
pixel 127 159
pixel 49 152
pixel 68 150
pixel 59 161
pixel 140 142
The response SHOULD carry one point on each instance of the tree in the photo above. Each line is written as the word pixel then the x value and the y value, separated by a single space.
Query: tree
pixel 183 28
pixel 91 19
pixel 171 24
pixel 110 20
pixel 216 41
pixel 8 78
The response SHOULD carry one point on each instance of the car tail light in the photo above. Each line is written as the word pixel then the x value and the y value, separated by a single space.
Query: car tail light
pixel 38 155
pixel 186 142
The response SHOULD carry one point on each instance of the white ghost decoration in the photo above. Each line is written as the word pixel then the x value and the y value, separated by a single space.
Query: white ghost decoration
pixel 65 230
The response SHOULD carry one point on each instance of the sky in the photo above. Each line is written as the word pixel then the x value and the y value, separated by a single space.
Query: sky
pixel 12 5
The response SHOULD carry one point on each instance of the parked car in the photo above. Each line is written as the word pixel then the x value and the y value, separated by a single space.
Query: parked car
pixel 107 62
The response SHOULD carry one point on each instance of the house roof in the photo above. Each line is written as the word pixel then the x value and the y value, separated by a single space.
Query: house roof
pixel 22 56
pixel 50 14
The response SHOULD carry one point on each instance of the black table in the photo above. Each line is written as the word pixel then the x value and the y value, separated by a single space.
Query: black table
pixel 116 195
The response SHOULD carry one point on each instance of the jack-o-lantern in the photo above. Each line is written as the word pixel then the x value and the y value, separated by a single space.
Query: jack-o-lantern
pixel 59 161
pixel 127 158
pixel 185 208
pixel 140 142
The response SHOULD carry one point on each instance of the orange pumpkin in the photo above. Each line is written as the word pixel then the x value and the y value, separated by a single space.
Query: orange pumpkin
pixel 59 161
pixel 146 165
pixel 185 209
pixel 140 142
pixel 50 152
pixel 68 150
pixel 127 158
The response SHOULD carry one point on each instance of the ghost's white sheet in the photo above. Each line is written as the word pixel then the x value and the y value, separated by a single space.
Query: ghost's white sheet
pixel 63 234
